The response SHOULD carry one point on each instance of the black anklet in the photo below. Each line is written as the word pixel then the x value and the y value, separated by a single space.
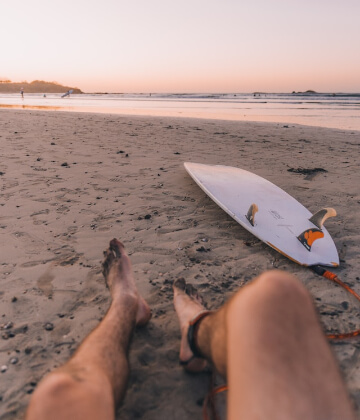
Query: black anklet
pixel 193 330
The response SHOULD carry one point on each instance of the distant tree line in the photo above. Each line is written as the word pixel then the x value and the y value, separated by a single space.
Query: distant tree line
pixel 37 86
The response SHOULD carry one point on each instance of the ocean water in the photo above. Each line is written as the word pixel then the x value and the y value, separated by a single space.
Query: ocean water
pixel 340 111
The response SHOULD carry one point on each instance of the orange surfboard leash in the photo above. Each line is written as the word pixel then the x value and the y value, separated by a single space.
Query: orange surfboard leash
pixel 209 401
pixel 333 277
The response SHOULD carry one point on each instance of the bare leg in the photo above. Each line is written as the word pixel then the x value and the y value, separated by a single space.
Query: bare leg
pixel 268 343
pixel 93 381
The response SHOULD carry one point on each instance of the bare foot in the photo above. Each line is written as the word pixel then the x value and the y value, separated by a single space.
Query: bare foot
pixel 188 304
pixel 119 278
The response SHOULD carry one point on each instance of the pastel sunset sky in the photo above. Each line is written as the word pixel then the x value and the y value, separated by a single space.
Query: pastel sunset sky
pixel 183 46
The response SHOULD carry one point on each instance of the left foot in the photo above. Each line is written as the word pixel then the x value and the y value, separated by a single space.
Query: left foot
pixel 119 278
pixel 188 304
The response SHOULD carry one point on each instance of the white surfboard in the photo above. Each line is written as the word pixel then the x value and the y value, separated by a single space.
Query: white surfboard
pixel 269 213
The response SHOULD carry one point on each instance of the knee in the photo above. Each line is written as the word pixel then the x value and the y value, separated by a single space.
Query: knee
pixel 279 285
pixel 52 390
pixel 62 393
pixel 273 290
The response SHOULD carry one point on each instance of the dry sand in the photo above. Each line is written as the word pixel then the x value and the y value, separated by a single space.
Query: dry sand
pixel 71 182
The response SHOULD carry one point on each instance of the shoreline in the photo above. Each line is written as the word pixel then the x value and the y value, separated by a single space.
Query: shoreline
pixel 179 114
pixel 72 181
pixel 318 112
pixel 221 118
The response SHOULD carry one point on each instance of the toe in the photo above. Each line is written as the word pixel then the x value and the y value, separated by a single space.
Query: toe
pixel 115 248
pixel 180 284
pixel 190 289
pixel 106 265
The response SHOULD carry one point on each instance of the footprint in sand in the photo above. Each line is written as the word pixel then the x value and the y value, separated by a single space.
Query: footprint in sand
pixel 44 283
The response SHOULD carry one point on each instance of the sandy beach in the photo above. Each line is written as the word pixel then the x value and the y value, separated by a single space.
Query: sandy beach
pixel 71 182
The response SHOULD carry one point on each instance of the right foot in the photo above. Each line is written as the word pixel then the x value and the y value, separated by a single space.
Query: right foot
pixel 187 304
pixel 119 278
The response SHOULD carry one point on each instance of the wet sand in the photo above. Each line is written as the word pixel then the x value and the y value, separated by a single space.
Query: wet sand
pixel 70 182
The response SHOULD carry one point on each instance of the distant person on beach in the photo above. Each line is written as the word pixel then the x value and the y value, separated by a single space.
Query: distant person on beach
pixel 67 93
pixel 22 92
pixel 266 341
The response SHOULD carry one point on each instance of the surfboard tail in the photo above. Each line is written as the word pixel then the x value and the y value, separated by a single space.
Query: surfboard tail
pixel 308 237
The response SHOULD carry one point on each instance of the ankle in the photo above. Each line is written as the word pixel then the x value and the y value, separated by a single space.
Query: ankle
pixel 193 331
pixel 124 300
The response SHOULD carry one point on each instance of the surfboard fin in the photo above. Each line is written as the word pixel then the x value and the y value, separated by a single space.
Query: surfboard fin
pixel 308 237
pixel 251 214
pixel 319 218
